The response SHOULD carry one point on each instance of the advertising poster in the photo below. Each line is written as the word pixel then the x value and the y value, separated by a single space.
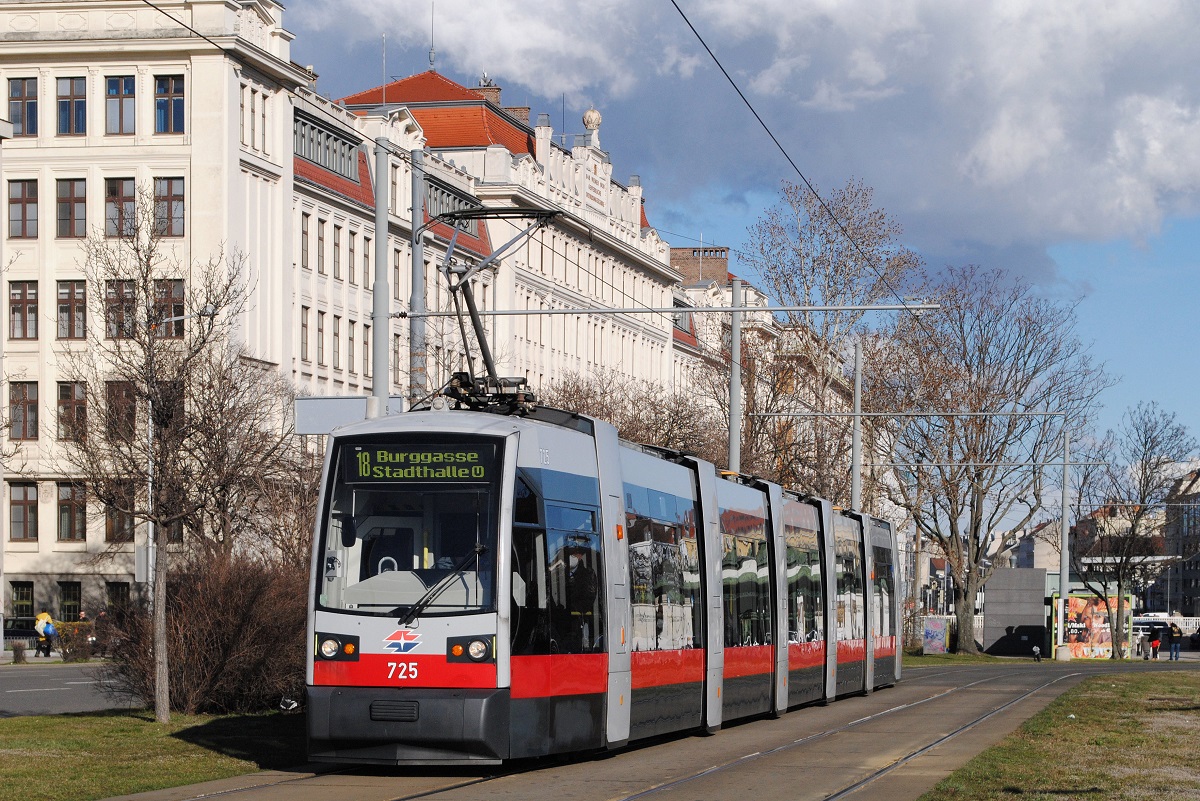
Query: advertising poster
pixel 937 635
pixel 1085 628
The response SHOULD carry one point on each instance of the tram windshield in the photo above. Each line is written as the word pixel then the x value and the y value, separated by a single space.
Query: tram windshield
pixel 411 528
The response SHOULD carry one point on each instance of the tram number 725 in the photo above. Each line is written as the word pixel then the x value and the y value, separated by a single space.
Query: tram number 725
pixel 402 670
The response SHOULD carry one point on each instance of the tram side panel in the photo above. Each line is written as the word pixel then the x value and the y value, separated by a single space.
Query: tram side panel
pixel 885 607
pixel 559 600
pixel 805 586
pixel 668 632
pixel 850 608
pixel 749 668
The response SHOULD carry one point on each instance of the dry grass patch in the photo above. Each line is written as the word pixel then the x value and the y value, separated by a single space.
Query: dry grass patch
pixel 1133 736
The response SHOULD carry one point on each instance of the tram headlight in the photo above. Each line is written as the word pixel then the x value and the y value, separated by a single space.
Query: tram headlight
pixel 329 648
pixel 477 650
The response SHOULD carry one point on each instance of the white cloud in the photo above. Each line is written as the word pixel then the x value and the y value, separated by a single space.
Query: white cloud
pixel 1003 123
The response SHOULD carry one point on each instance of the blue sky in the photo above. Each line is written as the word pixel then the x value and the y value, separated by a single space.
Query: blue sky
pixel 1060 141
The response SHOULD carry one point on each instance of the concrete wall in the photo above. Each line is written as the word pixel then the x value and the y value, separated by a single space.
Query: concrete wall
pixel 1015 614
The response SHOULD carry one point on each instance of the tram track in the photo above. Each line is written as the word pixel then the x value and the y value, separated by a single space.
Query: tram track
pixel 812 738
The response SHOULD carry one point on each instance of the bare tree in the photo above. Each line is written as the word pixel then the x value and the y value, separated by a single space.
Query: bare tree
pixel 1123 508
pixel 995 359
pixel 642 411
pixel 842 252
pixel 176 422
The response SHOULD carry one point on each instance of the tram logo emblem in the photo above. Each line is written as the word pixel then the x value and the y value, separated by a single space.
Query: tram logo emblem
pixel 402 641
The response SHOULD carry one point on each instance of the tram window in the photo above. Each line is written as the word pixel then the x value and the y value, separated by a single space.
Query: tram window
pixel 745 590
pixel 884 591
pixel 806 619
pixel 664 571
pixel 576 587
pixel 525 505
pixel 530 603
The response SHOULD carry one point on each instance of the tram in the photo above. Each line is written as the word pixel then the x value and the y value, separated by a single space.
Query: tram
pixel 488 587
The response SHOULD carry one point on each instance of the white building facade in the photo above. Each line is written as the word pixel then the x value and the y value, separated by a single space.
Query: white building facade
pixel 199 105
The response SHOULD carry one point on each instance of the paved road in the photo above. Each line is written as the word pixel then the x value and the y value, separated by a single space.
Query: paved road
pixel 890 746
pixel 52 689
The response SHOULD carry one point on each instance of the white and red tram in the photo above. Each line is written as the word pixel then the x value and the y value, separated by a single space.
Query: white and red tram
pixel 490 587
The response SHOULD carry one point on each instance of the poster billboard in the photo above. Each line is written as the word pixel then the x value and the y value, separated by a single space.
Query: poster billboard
pixel 1086 632
pixel 936 638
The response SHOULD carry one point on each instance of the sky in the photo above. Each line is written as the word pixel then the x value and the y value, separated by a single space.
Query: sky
pixel 1057 141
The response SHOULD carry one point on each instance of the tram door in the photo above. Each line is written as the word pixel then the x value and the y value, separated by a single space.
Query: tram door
pixel 850 605
pixel 559 670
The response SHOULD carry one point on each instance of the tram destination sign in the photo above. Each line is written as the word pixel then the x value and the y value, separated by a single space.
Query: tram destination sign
pixel 410 464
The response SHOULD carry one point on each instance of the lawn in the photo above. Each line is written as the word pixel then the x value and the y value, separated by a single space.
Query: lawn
pixel 102 754
pixel 1121 736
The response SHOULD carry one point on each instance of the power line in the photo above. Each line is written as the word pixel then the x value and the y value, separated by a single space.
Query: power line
pixel 870 261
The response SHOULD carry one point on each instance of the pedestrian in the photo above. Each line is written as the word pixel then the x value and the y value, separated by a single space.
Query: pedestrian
pixel 44 626
pixel 1154 644
pixel 1037 653
pixel 1174 636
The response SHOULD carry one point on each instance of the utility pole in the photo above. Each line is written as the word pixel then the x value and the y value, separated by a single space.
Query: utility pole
pixel 380 301
pixel 735 379
pixel 418 381
pixel 1062 653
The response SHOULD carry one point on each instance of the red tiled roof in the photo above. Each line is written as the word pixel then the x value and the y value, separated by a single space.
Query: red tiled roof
pixel 645 222
pixel 359 191
pixel 425 87
pixel 461 119
pixel 480 245
pixel 471 126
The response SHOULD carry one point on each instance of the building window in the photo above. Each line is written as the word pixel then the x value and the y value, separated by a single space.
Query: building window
pixel 22 512
pixel 72 309
pixel 350 346
pixel 72 410
pixel 366 350
pixel 396 275
pixel 22 310
pixel 304 333
pixel 120 198
pixel 168 206
pixel 366 263
pixel 337 342
pixel 71 593
pixel 120 412
pixel 337 251
pixel 21 610
pixel 72 208
pixel 23 106
pixel 23 209
pixel 119 313
pixel 116 593
pixel 119 105
pixel 304 241
pixel 72 106
pixel 168 308
pixel 321 337
pixel 350 259
pixel 23 410
pixel 72 513
pixel 118 520
pixel 168 104
pixel 320 247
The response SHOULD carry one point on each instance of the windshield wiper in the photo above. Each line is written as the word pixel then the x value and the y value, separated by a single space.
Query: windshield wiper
pixel 437 589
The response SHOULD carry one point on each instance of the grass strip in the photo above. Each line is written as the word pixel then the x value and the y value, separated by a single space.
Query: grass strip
pixel 1122 736
pixel 94 755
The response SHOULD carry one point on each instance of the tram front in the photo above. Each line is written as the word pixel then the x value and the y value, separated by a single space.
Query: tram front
pixel 403 664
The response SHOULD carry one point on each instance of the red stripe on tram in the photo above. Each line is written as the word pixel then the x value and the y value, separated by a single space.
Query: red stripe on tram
pixel 559 674
pixel 663 668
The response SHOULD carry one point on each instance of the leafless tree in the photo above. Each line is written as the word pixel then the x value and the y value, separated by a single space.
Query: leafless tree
pixel 840 252
pixel 994 359
pixel 642 411
pixel 177 424
pixel 1123 508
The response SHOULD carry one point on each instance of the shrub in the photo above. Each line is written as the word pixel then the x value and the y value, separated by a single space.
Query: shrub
pixel 75 641
pixel 235 634
pixel 18 649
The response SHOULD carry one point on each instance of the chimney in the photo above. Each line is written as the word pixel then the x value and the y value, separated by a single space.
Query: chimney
pixel 490 91
pixel 520 112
